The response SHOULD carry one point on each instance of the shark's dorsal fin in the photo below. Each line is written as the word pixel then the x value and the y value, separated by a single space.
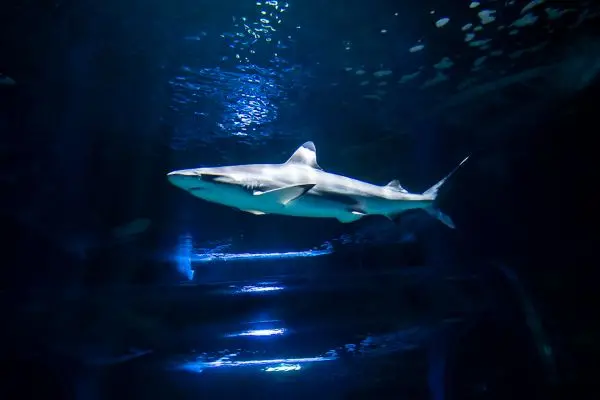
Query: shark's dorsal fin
pixel 395 185
pixel 305 154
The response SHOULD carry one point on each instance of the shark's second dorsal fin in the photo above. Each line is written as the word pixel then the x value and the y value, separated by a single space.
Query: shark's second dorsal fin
pixel 395 185
pixel 305 154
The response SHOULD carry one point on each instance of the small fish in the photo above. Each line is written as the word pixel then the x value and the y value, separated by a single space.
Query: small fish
pixel 132 228
pixel 6 80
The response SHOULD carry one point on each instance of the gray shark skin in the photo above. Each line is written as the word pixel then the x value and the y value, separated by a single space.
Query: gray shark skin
pixel 300 188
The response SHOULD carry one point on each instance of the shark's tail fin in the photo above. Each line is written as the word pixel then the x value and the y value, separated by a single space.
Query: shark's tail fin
pixel 432 194
pixel 443 218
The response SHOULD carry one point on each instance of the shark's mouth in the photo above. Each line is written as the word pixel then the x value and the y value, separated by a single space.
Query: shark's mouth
pixel 195 189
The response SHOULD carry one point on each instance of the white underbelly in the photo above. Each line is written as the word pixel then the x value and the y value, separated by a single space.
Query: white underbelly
pixel 311 206
pixel 305 206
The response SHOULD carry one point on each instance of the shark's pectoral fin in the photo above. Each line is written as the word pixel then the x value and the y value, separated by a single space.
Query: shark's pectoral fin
pixel 255 212
pixel 287 194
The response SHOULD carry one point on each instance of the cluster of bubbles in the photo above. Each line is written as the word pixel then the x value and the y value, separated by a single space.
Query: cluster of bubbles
pixel 254 37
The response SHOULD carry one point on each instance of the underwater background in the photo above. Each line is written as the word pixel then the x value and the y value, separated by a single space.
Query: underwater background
pixel 116 284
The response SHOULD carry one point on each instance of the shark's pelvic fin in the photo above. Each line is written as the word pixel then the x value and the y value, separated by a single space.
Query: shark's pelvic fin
pixel 305 154
pixel 286 194
pixel 350 217
pixel 395 185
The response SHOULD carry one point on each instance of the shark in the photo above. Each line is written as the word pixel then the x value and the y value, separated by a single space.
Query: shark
pixel 299 187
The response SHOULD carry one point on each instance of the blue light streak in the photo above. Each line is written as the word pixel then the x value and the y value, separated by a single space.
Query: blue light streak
pixel 284 368
pixel 259 333
pixel 270 365
pixel 224 257
pixel 185 256
pixel 257 288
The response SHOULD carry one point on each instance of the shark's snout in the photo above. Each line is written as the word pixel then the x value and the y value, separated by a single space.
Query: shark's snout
pixel 182 173
pixel 183 178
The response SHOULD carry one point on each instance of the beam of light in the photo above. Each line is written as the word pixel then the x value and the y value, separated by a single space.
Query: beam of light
pixel 183 256
pixel 534 323
pixel 268 365
pixel 210 257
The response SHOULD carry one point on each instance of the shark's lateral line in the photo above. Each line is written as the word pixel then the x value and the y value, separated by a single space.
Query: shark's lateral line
pixel 299 187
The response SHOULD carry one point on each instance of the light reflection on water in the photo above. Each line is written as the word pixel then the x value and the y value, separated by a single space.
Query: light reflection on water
pixel 238 95
pixel 238 102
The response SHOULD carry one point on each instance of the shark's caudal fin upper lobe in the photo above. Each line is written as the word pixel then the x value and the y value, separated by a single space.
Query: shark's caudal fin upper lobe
pixel 432 194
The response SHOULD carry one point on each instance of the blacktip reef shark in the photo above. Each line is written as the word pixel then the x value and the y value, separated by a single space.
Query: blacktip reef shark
pixel 300 188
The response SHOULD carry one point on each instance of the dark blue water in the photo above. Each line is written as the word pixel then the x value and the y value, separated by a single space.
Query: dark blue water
pixel 117 284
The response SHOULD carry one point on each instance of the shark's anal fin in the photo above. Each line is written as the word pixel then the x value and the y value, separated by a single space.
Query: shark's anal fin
pixel 286 194
pixel 395 185
pixel 305 154
pixel 255 212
